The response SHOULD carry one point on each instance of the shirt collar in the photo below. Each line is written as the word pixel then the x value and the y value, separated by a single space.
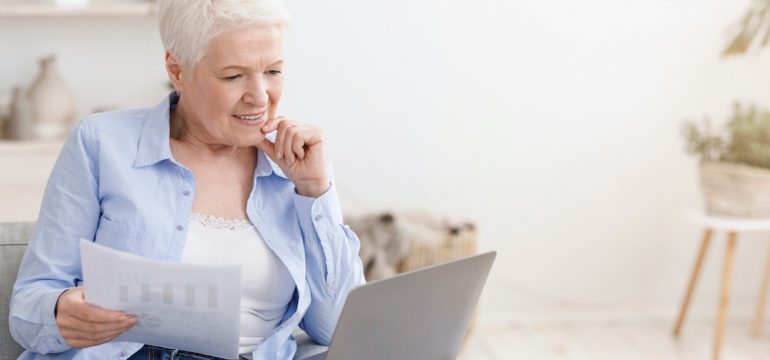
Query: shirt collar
pixel 154 144
pixel 154 141
pixel 266 166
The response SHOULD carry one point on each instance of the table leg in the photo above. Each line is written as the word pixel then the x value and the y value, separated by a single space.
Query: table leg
pixel 760 314
pixel 732 238
pixel 707 234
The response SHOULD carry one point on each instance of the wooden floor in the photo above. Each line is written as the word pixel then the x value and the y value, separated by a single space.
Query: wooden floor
pixel 627 340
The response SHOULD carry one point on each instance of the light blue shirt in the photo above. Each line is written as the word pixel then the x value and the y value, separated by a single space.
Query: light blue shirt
pixel 116 182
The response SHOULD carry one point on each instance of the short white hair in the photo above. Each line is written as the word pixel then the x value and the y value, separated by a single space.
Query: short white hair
pixel 188 26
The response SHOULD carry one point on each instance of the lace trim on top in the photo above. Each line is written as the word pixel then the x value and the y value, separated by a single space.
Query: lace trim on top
pixel 220 223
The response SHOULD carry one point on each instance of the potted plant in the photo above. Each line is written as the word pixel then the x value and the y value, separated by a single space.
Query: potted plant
pixel 735 162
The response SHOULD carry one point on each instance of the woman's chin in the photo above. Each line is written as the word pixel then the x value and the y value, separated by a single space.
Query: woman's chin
pixel 252 140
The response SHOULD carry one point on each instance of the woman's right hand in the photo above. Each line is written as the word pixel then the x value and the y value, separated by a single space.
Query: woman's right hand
pixel 83 325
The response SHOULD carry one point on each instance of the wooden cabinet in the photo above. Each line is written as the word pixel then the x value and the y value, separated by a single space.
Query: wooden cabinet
pixel 24 171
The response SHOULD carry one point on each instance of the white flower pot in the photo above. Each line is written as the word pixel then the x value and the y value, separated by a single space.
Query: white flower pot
pixel 53 106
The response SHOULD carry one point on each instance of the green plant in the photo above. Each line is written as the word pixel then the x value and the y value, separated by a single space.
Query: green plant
pixel 702 141
pixel 745 138
pixel 756 21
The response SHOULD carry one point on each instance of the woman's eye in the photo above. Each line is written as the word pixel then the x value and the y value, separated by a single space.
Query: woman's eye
pixel 231 78
pixel 274 72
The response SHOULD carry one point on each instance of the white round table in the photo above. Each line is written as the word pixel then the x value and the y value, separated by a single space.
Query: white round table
pixel 732 226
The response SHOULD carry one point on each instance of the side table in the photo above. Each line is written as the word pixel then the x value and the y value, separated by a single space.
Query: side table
pixel 732 226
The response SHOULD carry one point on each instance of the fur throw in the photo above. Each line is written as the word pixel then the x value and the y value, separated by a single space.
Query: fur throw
pixel 387 237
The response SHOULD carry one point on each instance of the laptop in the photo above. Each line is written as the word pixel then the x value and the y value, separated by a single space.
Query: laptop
pixel 422 314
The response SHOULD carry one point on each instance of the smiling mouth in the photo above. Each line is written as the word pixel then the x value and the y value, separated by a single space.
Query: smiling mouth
pixel 250 117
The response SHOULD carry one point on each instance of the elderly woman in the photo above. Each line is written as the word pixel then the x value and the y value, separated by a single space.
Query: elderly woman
pixel 198 178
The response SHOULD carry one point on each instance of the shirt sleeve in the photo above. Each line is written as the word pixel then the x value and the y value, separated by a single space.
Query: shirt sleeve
pixel 51 263
pixel 333 265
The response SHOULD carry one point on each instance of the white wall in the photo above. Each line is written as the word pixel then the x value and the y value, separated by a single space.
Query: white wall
pixel 555 125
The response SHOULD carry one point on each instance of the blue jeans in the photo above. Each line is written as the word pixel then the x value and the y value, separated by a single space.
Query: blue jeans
pixel 151 352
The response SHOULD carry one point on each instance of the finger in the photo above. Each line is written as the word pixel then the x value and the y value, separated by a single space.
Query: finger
pixel 280 138
pixel 94 314
pixel 76 338
pixel 268 147
pixel 310 138
pixel 76 335
pixel 272 124
pixel 298 143
pixel 111 336
pixel 97 327
pixel 287 145
pixel 86 342
pixel 315 136
pixel 74 330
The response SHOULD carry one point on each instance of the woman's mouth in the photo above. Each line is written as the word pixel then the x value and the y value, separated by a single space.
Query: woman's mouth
pixel 251 119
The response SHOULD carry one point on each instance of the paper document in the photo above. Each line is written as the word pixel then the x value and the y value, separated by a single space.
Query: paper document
pixel 179 306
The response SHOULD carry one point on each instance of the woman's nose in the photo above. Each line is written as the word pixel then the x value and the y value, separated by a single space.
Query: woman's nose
pixel 256 93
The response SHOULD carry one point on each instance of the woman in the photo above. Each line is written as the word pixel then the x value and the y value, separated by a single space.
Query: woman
pixel 195 179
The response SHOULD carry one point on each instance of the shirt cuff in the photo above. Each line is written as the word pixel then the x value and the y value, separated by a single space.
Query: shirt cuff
pixel 50 332
pixel 322 214
pixel 320 219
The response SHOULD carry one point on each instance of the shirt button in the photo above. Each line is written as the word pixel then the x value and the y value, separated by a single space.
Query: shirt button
pixel 122 354
pixel 318 217
pixel 186 193
pixel 179 227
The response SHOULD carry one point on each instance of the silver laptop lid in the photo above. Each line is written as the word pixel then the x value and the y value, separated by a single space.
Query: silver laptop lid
pixel 421 314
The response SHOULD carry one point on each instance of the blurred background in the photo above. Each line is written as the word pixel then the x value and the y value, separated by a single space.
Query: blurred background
pixel 553 126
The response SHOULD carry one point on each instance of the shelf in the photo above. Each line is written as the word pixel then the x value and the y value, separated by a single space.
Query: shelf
pixel 14 148
pixel 94 9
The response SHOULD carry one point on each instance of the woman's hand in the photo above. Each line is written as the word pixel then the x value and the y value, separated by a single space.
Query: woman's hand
pixel 299 151
pixel 83 325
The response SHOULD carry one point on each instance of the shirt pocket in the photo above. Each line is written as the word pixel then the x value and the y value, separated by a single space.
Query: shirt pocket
pixel 118 235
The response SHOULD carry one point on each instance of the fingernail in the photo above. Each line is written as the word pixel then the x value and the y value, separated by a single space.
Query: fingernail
pixel 280 154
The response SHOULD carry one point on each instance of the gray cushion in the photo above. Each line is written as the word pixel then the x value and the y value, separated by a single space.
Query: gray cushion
pixel 13 241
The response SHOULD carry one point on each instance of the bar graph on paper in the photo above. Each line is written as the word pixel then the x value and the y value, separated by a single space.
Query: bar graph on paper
pixel 181 306
pixel 211 294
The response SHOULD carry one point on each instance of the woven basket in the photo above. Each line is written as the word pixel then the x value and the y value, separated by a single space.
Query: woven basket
pixel 735 190
pixel 458 243
pixel 452 247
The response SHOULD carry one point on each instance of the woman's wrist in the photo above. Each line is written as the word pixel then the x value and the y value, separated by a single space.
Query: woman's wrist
pixel 314 189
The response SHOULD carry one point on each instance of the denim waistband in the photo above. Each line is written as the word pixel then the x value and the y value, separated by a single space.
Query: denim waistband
pixel 152 352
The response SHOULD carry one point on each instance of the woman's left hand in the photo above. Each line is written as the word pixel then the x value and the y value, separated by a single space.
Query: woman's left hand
pixel 299 152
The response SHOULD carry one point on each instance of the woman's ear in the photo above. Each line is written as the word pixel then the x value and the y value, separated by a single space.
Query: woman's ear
pixel 174 70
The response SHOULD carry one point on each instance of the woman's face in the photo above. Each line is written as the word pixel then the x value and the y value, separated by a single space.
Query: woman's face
pixel 235 87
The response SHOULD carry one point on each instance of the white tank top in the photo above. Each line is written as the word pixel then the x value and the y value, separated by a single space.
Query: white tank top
pixel 266 285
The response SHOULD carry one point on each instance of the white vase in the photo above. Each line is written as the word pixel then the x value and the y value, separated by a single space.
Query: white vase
pixel 20 122
pixel 53 106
